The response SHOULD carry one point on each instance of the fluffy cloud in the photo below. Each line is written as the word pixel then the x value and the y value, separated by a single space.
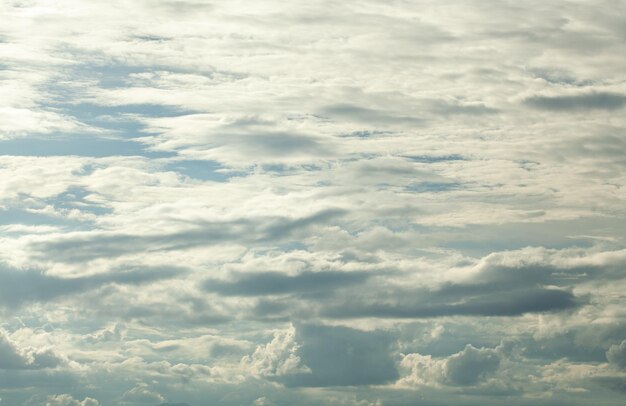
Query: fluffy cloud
pixel 14 358
pixel 471 366
pixel 67 400
pixel 277 358
pixel 616 355
pixel 141 394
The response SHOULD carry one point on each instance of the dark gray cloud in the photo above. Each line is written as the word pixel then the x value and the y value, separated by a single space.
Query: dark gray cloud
pixel 88 246
pixel 431 304
pixel 341 356
pixel 448 108
pixel 22 286
pixel 574 345
pixel 581 102
pixel 605 149
pixel 495 290
pixel 276 144
pixel 471 365
pixel 614 383
pixel 351 112
pixel 277 283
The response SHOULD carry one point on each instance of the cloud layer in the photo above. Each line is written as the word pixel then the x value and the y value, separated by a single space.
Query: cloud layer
pixel 312 202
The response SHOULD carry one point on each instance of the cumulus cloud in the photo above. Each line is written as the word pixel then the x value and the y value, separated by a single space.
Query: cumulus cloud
pixel 115 332
pixel 277 358
pixel 343 356
pixel 14 358
pixel 616 355
pixel 471 366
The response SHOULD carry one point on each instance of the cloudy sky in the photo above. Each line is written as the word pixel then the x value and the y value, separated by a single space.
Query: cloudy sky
pixel 400 202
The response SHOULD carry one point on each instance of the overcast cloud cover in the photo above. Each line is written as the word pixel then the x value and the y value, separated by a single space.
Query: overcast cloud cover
pixel 402 202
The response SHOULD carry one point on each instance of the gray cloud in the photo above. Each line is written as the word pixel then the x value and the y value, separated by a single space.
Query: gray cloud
pixel 340 356
pixel 431 304
pixel 13 358
pixel 276 144
pixel 495 290
pixel 173 404
pixel 22 286
pixel 277 283
pixel 616 355
pixel 87 246
pixel 350 112
pixel 448 108
pixel 581 102
pixel 614 383
pixel 471 365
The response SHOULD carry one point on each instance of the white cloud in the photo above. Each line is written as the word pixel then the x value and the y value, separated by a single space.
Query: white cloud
pixel 68 400
pixel 469 367
pixel 14 358
pixel 141 393
pixel 279 357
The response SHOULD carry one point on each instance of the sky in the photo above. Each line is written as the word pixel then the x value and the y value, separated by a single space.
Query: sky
pixel 360 203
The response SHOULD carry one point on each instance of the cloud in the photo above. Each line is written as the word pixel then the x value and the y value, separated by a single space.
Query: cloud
pixel 367 115
pixel 580 102
pixel 616 355
pixel 340 356
pixel 278 283
pixel 504 284
pixel 469 367
pixel 277 358
pixel 112 333
pixel 22 286
pixel 615 383
pixel 173 404
pixel 181 180
pixel 513 303
pixel 68 400
pixel 232 140
pixel 141 394
pixel 14 358
pixel 85 246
